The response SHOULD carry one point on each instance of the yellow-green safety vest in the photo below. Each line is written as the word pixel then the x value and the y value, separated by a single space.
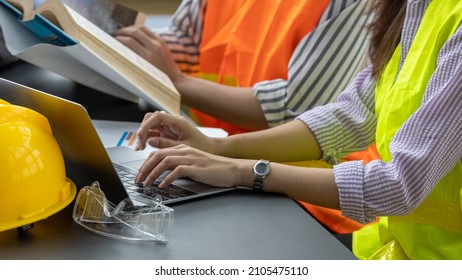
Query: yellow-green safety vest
pixel 434 229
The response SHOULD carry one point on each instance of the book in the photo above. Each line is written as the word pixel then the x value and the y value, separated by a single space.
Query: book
pixel 56 37
pixel 39 25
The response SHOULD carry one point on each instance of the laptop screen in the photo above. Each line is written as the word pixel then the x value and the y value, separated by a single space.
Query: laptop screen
pixel 85 157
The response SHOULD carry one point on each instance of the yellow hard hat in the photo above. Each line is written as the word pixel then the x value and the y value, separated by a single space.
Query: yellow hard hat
pixel 33 183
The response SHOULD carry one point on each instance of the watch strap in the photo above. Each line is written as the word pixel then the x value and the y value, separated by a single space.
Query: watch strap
pixel 258 183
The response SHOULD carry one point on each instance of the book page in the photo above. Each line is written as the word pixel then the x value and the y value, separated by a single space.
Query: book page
pixel 104 13
pixel 107 15
pixel 27 8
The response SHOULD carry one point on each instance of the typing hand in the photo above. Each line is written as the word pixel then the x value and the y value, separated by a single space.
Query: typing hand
pixel 184 161
pixel 162 130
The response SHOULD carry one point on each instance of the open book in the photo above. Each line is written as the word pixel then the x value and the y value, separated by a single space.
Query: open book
pixel 56 37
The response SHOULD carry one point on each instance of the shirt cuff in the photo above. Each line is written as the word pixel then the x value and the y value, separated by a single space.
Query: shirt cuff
pixel 349 177
pixel 272 96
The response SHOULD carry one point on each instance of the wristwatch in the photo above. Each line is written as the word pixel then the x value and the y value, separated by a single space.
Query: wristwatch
pixel 260 170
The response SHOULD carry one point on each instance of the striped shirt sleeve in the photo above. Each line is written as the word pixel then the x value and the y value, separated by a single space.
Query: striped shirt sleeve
pixel 321 66
pixel 184 34
pixel 424 150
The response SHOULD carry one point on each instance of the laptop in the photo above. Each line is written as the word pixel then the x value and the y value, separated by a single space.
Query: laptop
pixel 86 158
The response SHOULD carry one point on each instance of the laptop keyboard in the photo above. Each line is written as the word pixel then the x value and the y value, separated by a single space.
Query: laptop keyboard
pixel 135 190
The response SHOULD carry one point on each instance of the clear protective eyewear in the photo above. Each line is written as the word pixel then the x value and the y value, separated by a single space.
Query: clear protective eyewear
pixel 150 222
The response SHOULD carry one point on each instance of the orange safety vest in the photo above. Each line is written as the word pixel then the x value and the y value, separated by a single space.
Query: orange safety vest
pixel 248 41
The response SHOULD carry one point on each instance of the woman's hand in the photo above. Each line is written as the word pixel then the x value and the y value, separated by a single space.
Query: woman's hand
pixel 151 47
pixel 184 161
pixel 162 130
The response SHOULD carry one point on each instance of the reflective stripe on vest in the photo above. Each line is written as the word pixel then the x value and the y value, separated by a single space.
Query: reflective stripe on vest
pixel 248 41
pixel 434 229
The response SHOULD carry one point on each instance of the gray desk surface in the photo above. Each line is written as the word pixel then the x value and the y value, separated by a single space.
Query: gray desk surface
pixel 236 225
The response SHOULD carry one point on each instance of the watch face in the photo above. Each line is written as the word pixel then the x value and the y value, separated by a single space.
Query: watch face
pixel 261 168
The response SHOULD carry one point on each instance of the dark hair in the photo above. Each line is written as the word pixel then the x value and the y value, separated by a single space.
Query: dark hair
pixel 386 32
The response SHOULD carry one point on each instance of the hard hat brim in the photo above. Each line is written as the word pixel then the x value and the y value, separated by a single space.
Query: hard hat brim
pixel 66 197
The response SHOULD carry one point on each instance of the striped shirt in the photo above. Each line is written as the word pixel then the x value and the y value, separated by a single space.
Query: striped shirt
pixel 321 66
pixel 424 150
